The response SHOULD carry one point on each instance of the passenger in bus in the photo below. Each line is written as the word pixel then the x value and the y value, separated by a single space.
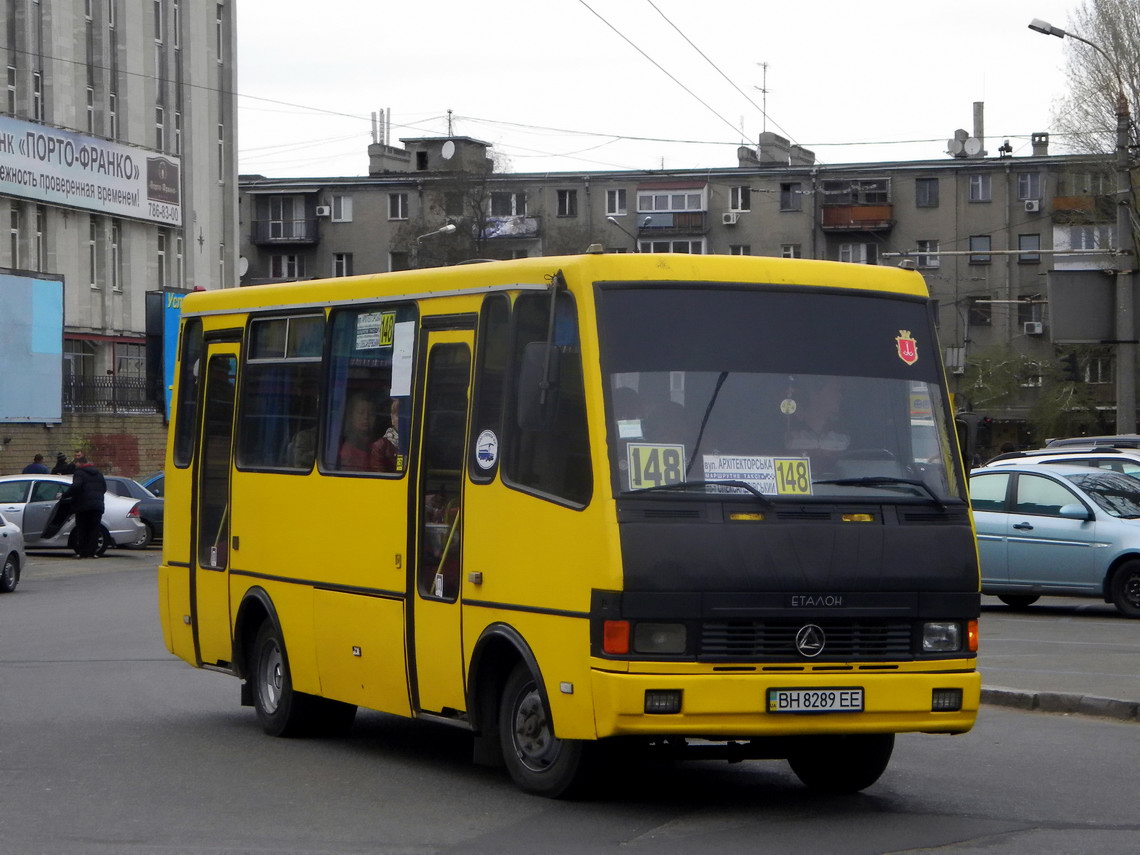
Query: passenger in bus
pixel 359 434
pixel 384 453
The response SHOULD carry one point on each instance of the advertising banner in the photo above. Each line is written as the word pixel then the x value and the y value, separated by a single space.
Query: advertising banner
pixel 66 168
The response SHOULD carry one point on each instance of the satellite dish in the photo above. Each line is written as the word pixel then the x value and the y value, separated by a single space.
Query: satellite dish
pixel 243 266
pixel 954 146
pixel 448 150
pixel 961 134
pixel 972 146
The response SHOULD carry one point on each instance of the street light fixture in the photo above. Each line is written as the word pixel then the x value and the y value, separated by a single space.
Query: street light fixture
pixel 613 222
pixel 442 230
pixel 1125 342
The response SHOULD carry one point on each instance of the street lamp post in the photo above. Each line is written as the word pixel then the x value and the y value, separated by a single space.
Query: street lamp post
pixel 635 238
pixel 447 229
pixel 1125 342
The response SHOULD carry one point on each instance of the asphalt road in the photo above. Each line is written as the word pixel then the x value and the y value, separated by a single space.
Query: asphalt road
pixel 110 745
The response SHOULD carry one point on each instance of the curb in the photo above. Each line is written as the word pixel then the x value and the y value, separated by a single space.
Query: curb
pixel 1061 702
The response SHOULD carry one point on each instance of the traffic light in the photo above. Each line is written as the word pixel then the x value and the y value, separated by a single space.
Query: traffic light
pixel 1069 368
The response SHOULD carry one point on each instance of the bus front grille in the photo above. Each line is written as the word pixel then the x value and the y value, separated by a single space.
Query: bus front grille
pixel 776 640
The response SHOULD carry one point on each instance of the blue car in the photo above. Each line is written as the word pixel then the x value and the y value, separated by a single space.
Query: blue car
pixel 1071 531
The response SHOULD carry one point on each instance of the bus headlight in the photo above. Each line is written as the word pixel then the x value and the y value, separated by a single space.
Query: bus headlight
pixel 941 636
pixel 659 638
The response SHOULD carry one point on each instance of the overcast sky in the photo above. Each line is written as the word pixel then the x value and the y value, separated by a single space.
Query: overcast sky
pixel 572 85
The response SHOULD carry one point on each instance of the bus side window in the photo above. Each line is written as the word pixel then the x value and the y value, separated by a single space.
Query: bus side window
pixel 492 359
pixel 187 404
pixel 553 460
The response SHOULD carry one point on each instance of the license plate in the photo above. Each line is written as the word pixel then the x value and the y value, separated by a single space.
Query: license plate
pixel 846 699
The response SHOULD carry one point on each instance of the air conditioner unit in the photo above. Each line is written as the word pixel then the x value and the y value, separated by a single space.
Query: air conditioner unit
pixel 324 211
pixel 729 218
pixel 1032 206
pixel 1033 327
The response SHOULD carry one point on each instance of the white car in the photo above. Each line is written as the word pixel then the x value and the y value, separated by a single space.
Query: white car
pixel 28 502
pixel 12 557
pixel 1123 460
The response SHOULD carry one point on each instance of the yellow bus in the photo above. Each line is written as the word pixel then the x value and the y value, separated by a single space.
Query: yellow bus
pixel 707 504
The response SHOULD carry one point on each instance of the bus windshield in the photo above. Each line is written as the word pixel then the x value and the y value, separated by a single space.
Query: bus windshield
pixel 789 395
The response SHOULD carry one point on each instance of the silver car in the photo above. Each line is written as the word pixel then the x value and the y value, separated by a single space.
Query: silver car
pixel 12 557
pixel 28 501
pixel 1058 530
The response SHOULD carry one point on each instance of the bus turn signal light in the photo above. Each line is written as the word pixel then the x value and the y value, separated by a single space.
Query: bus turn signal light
pixel 972 636
pixel 615 637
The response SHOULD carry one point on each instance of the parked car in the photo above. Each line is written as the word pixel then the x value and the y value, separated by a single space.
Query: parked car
pixel 1124 460
pixel 150 507
pixel 11 555
pixel 1071 531
pixel 29 500
pixel 156 483
pixel 1122 440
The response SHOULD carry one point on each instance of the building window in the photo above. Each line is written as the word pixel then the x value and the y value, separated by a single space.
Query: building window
pixel 1098 369
pixel 158 21
pixel 342 209
pixel 740 249
pixel 926 193
pixel 37 96
pixel 11 90
pixel 691 247
pixel 90 109
pixel 740 199
pixel 93 252
pixel 78 358
pixel 1091 237
pixel 177 132
pixel 1028 246
pixel 221 152
pixel 925 256
pixel 161 240
pixel 113 116
pixel 615 202
pixel 399 261
pixel 1031 375
pixel 130 360
pixel 397 206
pixel 342 264
pixel 791 250
pixel 980 190
pixel 1085 184
pixel 1028 185
pixel 111 14
pixel 508 204
pixel 159 129
pixel 176 23
pixel 219 32
pixel 670 202
pixel 980 244
pixel 979 311
pixel 857 191
pixel 286 267
pixel 567 203
pixel 117 256
pixel 41 238
pixel 859 253
pixel 179 262
pixel 791 196
pixel 14 236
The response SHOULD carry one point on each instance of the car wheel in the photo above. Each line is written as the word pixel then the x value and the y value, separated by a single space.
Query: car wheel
pixel 104 542
pixel 842 764
pixel 539 762
pixel 10 574
pixel 1018 601
pixel 1125 588
pixel 145 539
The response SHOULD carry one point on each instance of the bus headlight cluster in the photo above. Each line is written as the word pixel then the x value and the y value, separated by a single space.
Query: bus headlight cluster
pixel 659 638
pixel 941 637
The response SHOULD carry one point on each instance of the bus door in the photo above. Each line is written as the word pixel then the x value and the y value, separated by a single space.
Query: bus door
pixel 437 523
pixel 211 503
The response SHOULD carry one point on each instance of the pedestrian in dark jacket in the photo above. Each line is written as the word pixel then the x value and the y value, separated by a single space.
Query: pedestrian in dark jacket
pixel 88 487
pixel 36 467
pixel 62 467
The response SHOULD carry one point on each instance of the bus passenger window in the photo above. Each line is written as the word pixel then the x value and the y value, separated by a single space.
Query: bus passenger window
pixel 493 353
pixel 369 383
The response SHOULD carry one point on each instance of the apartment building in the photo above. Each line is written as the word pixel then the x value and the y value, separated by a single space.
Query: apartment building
pixel 984 231
pixel 118 173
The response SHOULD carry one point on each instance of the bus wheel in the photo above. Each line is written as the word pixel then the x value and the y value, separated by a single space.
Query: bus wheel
pixel 842 764
pixel 1126 588
pixel 280 710
pixel 1018 601
pixel 539 762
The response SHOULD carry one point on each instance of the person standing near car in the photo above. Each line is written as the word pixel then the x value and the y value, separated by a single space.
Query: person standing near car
pixel 62 467
pixel 36 467
pixel 88 487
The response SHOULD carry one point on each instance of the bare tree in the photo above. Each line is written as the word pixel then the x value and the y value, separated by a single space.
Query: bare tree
pixel 1086 117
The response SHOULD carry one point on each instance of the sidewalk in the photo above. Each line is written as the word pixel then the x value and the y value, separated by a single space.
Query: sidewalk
pixel 1061 656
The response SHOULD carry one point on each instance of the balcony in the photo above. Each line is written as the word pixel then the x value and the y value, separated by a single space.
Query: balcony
pixel 286 232
pixel 111 394
pixel 857 218
pixel 497 228
pixel 1083 209
pixel 675 223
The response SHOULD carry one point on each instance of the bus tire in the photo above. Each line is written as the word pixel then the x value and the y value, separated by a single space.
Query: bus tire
pixel 843 763
pixel 539 762
pixel 280 710
pixel 1018 601
pixel 1125 588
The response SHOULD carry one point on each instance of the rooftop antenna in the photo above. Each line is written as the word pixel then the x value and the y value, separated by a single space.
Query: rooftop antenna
pixel 763 90
pixel 449 122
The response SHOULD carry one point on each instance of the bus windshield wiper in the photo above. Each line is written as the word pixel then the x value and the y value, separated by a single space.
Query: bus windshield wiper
pixel 885 481
pixel 684 485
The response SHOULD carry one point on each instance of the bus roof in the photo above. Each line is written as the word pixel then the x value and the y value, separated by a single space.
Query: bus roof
pixel 530 273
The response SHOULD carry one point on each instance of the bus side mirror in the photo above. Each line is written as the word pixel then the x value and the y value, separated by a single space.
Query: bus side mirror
pixel 538 386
